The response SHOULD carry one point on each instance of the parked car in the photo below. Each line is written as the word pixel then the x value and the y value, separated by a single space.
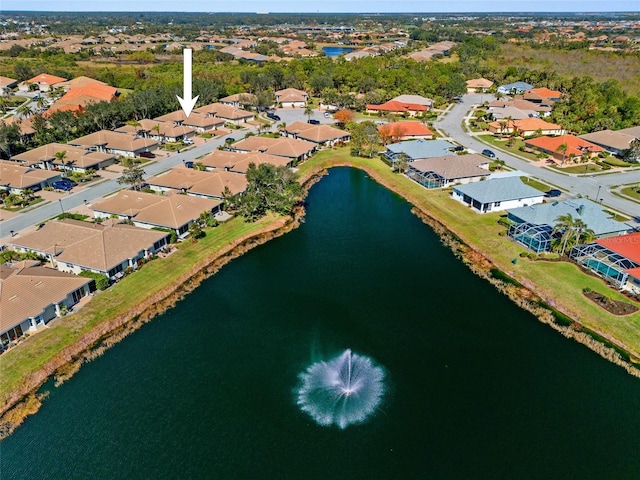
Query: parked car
pixel 63 184
pixel 187 141
pixel 488 153
pixel 457 148
pixel 147 155
pixel 229 140
pixel 313 121
pixel 554 192
pixel 188 164
pixel 273 116
pixel 327 115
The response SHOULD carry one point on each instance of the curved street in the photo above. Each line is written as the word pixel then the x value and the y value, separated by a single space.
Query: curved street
pixel 591 186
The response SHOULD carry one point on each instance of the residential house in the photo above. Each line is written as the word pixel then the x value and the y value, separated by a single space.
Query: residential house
pixel 148 210
pixel 239 100
pixel 398 131
pixel 514 88
pixel 616 259
pixel 526 127
pixel 292 97
pixel 43 82
pixel 414 99
pixel 447 170
pixel 106 141
pixel 74 246
pixel 292 148
pixel 32 295
pixel 78 98
pixel 234 115
pixel 497 194
pixel 239 161
pixel 16 178
pixel 394 107
pixel 533 226
pixel 478 85
pixel 6 85
pixel 564 147
pixel 542 95
pixel 50 157
pixel 198 183
pixel 161 131
pixel 200 122
pixel 616 142
pixel 416 149
pixel 508 112
pixel 536 109
pixel 321 135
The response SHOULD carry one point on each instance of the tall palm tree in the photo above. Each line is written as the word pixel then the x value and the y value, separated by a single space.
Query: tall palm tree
pixel 60 156
pixel 562 148
pixel 564 226
pixel 308 111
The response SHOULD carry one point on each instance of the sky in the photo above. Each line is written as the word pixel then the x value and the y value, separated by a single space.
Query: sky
pixel 323 6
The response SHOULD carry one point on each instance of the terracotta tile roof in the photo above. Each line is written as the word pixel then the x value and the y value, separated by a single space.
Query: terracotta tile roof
pixel 529 124
pixel 224 111
pixel 46 79
pixel 479 83
pixel 625 245
pixel 395 106
pixel 239 162
pixel 26 124
pixel 291 95
pixel 544 92
pixel 89 245
pixel 210 184
pixel 575 145
pixel 405 129
pixel 79 82
pixel 196 119
pixel 26 290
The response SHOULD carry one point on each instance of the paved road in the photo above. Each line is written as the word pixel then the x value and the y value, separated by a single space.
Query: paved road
pixel 594 186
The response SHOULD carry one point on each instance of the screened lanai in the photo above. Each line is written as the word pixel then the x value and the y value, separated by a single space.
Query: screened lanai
pixel 535 237
pixel 603 261
pixel 426 179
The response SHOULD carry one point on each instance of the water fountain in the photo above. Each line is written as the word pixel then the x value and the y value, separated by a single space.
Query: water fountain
pixel 342 391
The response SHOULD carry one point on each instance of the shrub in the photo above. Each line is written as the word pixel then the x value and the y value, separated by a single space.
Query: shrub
pixel 102 281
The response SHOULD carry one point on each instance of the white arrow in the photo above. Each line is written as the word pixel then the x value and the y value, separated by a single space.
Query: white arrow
pixel 187 103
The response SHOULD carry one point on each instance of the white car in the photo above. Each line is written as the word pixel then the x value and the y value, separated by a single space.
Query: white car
pixel 187 141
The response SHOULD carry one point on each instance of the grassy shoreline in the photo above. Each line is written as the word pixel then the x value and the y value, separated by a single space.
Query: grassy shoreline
pixel 540 287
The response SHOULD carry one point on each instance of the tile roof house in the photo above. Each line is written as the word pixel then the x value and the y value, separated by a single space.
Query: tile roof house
pixel 417 149
pixel 322 135
pixel 239 162
pixel 522 104
pixel 510 112
pixel 398 131
pixel 78 98
pixel 230 114
pixel 73 246
pixel 526 127
pixel 148 210
pixel 497 194
pixel 198 121
pixel 539 95
pixel 16 178
pixel 415 99
pixel 447 170
pixel 198 183
pixel 75 159
pixel 575 146
pixel 106 141
pixel 394 107
pixel 32 295
pixel 161 131
pixel 240 100
pixel 291 97
pixel 616 259
pixel 44 82
pixel 478 85
pixel 296 150
pixel 614 141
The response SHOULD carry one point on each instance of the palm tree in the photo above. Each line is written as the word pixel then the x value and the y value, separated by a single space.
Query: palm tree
pixel 582 232
pixel 60 156
pixel 562 148
pixel 564 224
pixel 308 111
pixel 24 110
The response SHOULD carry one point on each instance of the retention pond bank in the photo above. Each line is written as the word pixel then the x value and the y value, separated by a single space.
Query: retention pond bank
pixel 474 387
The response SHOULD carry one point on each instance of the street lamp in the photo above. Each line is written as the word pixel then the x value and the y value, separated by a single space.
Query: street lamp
pixel 598 194
pixel 61 207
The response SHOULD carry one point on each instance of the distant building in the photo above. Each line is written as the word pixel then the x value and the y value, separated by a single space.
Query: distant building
pixel 514 88
pixel 478 85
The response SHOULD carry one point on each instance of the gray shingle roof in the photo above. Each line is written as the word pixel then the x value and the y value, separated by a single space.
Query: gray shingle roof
pixel 589 212
pixel 416 149
pixel 498 190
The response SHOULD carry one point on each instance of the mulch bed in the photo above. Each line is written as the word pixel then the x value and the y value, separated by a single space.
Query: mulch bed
pixel 616 307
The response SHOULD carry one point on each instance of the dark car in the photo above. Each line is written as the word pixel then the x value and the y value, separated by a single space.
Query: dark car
pixel 188 164
pixel 229 140
pixel 554 192
pixel 63 184
pixel 147 155
pixel 313 121
pixel 273 116
pixel 488 153
pixel 457 148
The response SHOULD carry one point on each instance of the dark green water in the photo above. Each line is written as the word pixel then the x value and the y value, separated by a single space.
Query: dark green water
pixel 476 388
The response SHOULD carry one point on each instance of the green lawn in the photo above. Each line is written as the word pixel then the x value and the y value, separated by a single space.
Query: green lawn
pixel 633 192
pixel 513 149
pixel 532 182
pixel 586 168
